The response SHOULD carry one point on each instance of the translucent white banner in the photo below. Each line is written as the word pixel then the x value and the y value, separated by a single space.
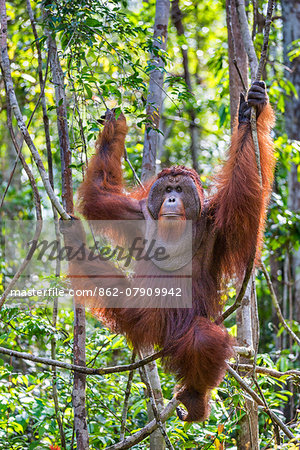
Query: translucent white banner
pixel 110 264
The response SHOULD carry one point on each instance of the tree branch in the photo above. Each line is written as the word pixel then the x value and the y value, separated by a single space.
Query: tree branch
pixel 133 170
pixel 126 400
pixel 248 43
pixel 276 304
pixel 260 402
pixel 241 294
pixel 267 371
pixel 147 430
pixel 86 370
pixel 155 410
pixel 255 67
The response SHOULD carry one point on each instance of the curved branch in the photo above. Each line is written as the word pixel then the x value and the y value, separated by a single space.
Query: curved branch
pixel 140 435
pixel 240 296
pixel 82 369
pixel 267 371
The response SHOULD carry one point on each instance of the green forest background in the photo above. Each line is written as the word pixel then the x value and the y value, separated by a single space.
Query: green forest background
pixel 104 51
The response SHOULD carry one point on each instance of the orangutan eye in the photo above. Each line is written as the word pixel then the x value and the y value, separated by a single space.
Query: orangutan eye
pixel 169 189
pixel 178 189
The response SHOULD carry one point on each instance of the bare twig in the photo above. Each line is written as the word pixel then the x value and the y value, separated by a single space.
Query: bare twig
pixel 260 402
pixel 112 413
pixel 147 430
pixel 42 94
pixel 126 400
pixel 275 425
pixel 276 304
pixel 265 46
pixel 11 176
pixel 79 119
pixel 21 143
pixel 133 170
pixel 267 371
pixel 86 370
pixel 239 298
pixel 240 75
pixel 96 84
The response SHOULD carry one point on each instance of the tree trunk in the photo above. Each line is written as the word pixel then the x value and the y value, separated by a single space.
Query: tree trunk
pixel 246 316
pixel 157 441
pixel 153 109
pixel 177 20
pixel 291 32
pixel 62 125
pixel 79 386
pixel 154 98
pixel 236 51
pixel 248 336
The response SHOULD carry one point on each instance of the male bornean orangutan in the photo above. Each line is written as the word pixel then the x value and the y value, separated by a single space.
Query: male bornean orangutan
pixel 227 230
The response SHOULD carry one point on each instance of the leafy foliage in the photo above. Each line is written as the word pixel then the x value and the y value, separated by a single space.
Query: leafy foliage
pixel 104 51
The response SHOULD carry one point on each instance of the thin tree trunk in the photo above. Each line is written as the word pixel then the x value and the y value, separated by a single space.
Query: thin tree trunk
pixel 247 336
pixel 62 125
pixel 246 315
pixel 276 267
pixel 245 37
pixel 79 386
pixel 154 98
pixel 236 52
pixel 291 32
pixel 177 20
pixel 157 441
pixel 153 109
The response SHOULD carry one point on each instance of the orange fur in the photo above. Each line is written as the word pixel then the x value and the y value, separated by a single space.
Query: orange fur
pixel 239 206
pixel 227 233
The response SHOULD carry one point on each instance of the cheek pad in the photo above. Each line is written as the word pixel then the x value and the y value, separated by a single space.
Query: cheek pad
pixel 190 198
pixel 156 197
